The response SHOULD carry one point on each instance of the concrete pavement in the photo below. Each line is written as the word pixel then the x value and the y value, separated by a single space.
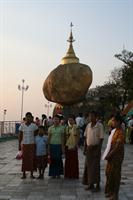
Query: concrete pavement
pixel 12 187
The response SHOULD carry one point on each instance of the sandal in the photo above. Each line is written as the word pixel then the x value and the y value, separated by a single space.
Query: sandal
pixel 39 177
pixel 23 177
pixel 95 190
pixel 33 177
pixel 108 195
pixel 90 187
pixel 113 197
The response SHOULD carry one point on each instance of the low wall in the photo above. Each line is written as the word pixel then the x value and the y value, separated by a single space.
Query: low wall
pixel 9 128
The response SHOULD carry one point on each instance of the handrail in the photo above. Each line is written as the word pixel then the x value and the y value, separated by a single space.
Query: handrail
pixel 8 128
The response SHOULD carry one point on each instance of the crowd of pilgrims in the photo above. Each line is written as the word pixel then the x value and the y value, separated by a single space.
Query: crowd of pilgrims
pixel 46 142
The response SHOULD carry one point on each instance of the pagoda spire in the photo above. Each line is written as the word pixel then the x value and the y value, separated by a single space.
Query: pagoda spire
pixel 71 40
pixel 70 55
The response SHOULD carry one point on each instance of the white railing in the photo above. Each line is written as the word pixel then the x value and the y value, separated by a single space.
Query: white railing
pixel 8 128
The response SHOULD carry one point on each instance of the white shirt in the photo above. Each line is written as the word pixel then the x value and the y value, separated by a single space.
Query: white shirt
pixel 94 134
pixel 108 144
pixel 79 121
pixel 130 123
pixel 28 133
pixel 41 144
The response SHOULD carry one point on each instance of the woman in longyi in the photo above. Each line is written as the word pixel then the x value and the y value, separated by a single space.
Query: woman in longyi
pixel 27 132
pixel 114 154
pixel 71 149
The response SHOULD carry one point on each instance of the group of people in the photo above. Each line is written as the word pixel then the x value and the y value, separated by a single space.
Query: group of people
pixel 61 140
pixel 113 154
pixel 40 147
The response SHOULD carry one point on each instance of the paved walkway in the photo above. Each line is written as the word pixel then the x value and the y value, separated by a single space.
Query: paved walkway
pixel 14 188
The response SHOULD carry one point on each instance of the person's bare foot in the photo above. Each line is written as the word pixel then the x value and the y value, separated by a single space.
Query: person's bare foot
pixel 114 197
pixel 42 176
pixel 107 195
pixel 33 177
pixel 89 187
pixel 23 177
pixel 39 177
pixel 97 189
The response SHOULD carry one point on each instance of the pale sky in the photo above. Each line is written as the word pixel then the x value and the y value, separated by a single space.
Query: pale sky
pixel 33 39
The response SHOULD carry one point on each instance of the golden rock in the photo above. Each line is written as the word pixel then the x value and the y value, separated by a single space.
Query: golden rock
pixel 68 83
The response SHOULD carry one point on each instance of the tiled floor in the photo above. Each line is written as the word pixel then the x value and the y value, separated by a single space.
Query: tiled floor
pixel 14 188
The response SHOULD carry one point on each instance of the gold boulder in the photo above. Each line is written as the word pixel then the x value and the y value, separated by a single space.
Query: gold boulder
pixel 69 82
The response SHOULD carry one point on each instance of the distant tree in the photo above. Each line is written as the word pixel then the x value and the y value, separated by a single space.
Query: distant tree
pixel 116 79
pixel 109 96
pixel 126 57
pixel 114 94
pixel 125 76
pixel 116 76
pixel 105 99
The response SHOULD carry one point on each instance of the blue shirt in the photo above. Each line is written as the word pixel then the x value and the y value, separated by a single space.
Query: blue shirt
pixel 41 143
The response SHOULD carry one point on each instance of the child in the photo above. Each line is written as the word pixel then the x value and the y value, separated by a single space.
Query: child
pixel 41 141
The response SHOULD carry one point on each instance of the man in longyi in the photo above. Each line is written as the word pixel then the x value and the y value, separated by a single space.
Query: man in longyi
pixel 94 134
pixel 114 154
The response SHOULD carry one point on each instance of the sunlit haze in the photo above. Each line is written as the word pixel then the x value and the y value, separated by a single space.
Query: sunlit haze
pixel 33 40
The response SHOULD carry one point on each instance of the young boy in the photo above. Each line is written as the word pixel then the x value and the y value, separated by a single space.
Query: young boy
pixel 41 141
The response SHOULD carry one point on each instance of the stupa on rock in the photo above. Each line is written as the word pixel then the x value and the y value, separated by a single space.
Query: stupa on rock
pixel 69 82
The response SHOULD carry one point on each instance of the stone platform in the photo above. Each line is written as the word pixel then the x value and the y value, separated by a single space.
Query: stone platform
pixel 12 187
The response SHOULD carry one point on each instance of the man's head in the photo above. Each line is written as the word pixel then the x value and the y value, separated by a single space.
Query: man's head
pixel 93 116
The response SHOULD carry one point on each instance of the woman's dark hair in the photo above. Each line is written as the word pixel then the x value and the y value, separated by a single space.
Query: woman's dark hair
pixel 44 116
pixel 41 127
pixel 93 113
pixel 28 114
pixel 71 116
pixel 118 118
pixel 57 116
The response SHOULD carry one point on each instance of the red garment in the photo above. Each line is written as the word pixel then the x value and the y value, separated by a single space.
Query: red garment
pixel 71 163
pixel 28 159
